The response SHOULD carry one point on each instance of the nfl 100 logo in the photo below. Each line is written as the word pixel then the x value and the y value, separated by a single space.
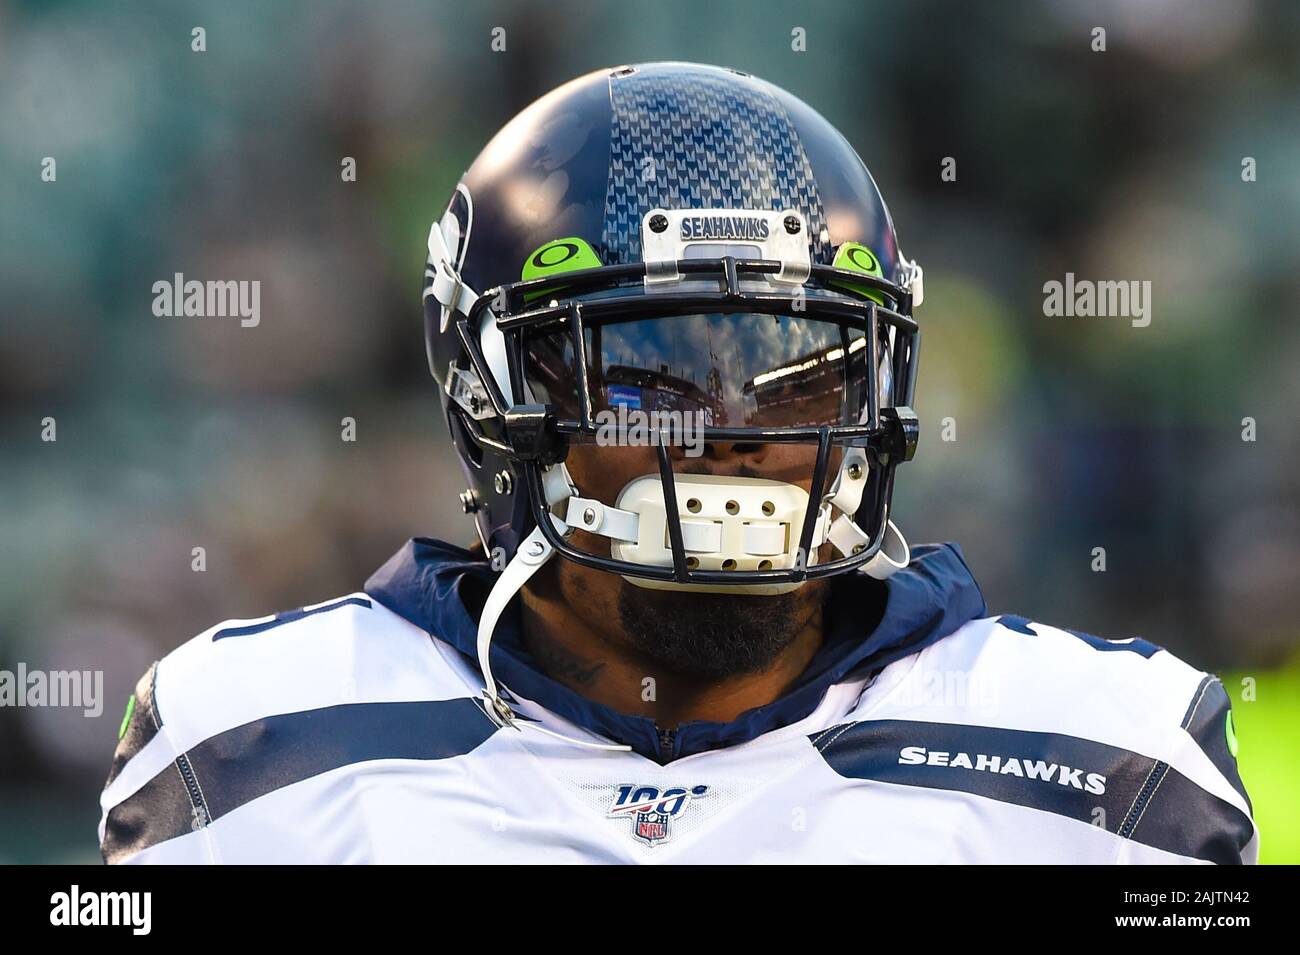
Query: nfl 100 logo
pixel 651 809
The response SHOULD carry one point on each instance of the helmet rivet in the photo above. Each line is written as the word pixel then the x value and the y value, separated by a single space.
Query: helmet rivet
pixel 503 482
pixel 658 223
pixel 792 225
pixel 855 471
pixel 589 516
pixel 859 548
pixel 468 501
pixel 536 548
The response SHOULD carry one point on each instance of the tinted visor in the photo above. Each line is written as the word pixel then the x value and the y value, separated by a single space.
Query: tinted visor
pixel 730 369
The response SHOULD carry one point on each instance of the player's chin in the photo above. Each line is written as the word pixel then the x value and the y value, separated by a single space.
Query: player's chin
pixel 713 636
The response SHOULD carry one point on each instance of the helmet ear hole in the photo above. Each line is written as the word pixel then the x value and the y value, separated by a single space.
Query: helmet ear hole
pixel 469 449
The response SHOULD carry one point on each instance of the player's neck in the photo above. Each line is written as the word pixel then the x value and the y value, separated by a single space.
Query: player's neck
pixel 574 654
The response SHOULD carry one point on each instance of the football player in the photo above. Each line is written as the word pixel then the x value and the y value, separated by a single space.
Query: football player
pixel 675 344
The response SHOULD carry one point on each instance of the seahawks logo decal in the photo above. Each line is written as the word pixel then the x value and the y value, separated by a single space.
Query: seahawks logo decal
pixel 456 223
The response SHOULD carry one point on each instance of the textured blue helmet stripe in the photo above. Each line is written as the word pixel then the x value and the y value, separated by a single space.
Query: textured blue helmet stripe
pixel 687 139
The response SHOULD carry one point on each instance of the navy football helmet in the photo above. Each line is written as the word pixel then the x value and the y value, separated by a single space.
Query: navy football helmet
pixel 676 244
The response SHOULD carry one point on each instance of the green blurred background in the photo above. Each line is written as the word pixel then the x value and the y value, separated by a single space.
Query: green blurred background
pixel 1071 433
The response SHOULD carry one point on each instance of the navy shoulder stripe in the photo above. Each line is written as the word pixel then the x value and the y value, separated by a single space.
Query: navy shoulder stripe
pixel 1137 645
pixel 1081 779
pixel 235 767
pixel 1209 722
pixel 289 616
pixel 1182 817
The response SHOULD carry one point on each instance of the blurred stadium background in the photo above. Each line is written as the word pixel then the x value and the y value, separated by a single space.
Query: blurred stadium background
pixel 1071 433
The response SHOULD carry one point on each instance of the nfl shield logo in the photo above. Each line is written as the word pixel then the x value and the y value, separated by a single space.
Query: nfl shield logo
pixel 651 827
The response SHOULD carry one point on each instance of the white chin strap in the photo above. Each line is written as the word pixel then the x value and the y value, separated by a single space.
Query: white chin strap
pixel 532 554
pixel 727 523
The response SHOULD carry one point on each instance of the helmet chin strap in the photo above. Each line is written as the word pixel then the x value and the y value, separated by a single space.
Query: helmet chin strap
pixel 533 553
pixel 719 526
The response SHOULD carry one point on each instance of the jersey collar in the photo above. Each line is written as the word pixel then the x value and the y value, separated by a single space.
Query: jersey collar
pixel 440 587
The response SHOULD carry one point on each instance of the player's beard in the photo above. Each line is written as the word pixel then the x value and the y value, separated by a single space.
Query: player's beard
pixel 710 636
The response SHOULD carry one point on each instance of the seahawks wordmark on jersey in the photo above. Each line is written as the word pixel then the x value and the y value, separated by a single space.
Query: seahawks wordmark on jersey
pixel 352 731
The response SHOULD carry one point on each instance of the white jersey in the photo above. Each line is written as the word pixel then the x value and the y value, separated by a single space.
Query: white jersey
pixel 353 731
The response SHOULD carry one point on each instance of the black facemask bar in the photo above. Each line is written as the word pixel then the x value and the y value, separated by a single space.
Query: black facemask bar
pixel 535 438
